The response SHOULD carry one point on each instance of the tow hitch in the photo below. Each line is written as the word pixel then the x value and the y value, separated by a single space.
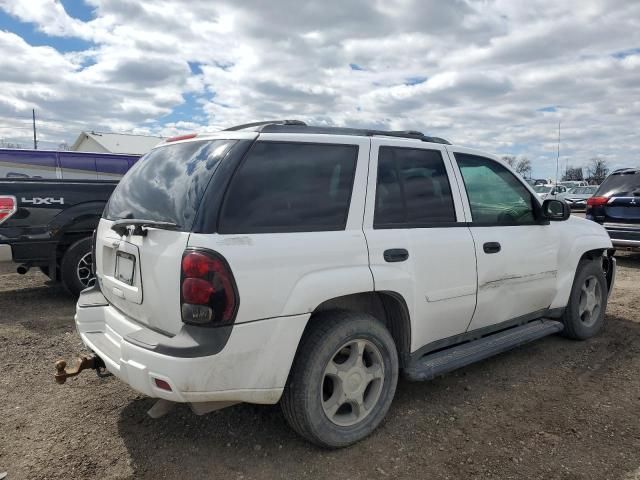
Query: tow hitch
pixel 82 363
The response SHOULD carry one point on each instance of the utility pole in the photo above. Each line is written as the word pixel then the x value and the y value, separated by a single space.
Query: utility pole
pixel 35 141
pixel 558 155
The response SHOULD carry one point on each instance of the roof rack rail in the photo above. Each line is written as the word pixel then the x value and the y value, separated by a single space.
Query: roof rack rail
pixel 266 122
pixel 407 134
pixel 297 126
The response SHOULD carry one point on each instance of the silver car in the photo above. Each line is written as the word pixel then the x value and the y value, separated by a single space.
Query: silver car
pixel 545 192
pixel 577 197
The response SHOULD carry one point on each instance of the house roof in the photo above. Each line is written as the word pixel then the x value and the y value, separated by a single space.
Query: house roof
pixel 120 142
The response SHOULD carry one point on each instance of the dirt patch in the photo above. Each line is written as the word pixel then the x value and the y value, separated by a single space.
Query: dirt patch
pixel 554 409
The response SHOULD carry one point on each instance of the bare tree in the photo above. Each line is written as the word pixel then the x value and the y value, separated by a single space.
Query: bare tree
pixel 523 167
pixel 597 170
pixel 573 173
pixel 4 144
pixel 509 160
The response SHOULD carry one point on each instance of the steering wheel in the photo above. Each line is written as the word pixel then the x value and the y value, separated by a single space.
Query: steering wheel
pixel 512 215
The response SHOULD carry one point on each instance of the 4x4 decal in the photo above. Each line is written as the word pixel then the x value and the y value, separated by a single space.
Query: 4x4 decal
pixel 43 201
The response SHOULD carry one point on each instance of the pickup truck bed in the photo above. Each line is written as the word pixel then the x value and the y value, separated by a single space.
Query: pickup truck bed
pixel 54 219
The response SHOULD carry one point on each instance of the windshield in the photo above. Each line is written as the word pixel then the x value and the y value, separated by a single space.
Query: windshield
pixel 542 189
pixel 167 184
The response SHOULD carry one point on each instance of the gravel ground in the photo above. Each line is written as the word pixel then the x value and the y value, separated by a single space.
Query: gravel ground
pixel 555 409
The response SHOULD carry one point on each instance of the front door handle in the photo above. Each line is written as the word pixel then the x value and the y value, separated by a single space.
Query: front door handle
pixel 396 255
pixel 491 247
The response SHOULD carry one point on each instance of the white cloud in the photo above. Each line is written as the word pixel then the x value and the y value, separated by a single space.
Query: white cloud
pixel 479 73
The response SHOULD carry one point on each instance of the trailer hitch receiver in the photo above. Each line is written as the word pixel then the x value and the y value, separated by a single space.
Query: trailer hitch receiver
pixel 82 363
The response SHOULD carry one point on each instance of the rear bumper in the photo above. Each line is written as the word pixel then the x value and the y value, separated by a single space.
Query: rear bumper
pixel 622 235
pixel 252 366
pixel 5 253
pixel 33 253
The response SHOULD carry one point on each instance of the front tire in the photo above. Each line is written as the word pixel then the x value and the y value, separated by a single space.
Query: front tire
pixel 343 379
pixel 584 316
pixel 76 267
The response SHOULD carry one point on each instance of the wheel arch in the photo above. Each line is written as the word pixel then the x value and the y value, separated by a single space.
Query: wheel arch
pixel 587 247
pixel 388 307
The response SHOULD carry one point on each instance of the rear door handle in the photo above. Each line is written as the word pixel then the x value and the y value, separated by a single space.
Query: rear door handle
pixel 396 255
pixel 491 247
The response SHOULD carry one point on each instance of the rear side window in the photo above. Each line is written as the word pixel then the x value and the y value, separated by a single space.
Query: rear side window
pixel 621 184
pixel 168 183
pixel 412 189
pixel 78 167
pixel 27 164
pixel 290 187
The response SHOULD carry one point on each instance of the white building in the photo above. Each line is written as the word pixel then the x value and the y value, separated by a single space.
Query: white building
pixel 102 142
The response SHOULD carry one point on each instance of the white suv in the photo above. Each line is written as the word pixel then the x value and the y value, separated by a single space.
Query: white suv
pixel 280 262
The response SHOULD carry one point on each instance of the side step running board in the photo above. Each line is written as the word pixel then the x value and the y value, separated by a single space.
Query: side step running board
pixel 438 363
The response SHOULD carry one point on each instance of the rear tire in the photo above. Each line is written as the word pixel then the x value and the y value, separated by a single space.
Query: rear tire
pixel 343 379
pixel 75 269
pixel 584 316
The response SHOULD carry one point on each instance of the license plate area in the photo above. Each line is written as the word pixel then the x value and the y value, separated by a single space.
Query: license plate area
pixel 125 267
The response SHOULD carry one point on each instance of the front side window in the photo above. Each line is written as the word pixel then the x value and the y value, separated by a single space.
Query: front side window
pixel 496 196
pixel 412 189
pixel 290 187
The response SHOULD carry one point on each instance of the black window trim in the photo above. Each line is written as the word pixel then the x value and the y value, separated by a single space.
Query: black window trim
pixel 412 225
pixel 268 230
pixel 536 207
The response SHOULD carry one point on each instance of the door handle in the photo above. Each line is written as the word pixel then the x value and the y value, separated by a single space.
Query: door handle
pixel 491 247
pixel 396 255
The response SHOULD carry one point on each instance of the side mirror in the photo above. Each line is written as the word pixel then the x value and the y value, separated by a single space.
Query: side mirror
pixel 555 210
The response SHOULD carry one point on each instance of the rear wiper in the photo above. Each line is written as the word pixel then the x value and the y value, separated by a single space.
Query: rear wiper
pixel 135 226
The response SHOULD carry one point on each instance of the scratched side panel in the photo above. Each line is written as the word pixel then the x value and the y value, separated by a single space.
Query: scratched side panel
pixel 518 280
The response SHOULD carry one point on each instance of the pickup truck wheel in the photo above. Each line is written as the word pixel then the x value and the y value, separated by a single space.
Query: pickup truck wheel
pixel 343 379
pixel 584 316
pixel 76 267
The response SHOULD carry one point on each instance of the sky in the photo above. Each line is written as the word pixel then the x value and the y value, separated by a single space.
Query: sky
pixel 498 75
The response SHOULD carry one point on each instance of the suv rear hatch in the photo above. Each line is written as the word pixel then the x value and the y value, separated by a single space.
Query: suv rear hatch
pixel 153 210
pixel 622 189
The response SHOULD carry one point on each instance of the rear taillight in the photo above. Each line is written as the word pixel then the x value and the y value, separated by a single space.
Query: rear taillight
pixel 597 201
pixel 208 292
pixel 8 206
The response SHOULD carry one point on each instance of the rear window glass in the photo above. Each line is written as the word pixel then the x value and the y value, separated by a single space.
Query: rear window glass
pixel 27 164
pixel 78 167
pixel 290 187
pixel 167 184
pixel 111 168
pixel 621 184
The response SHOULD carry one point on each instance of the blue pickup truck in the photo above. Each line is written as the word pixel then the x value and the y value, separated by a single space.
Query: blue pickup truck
pixel 50 203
